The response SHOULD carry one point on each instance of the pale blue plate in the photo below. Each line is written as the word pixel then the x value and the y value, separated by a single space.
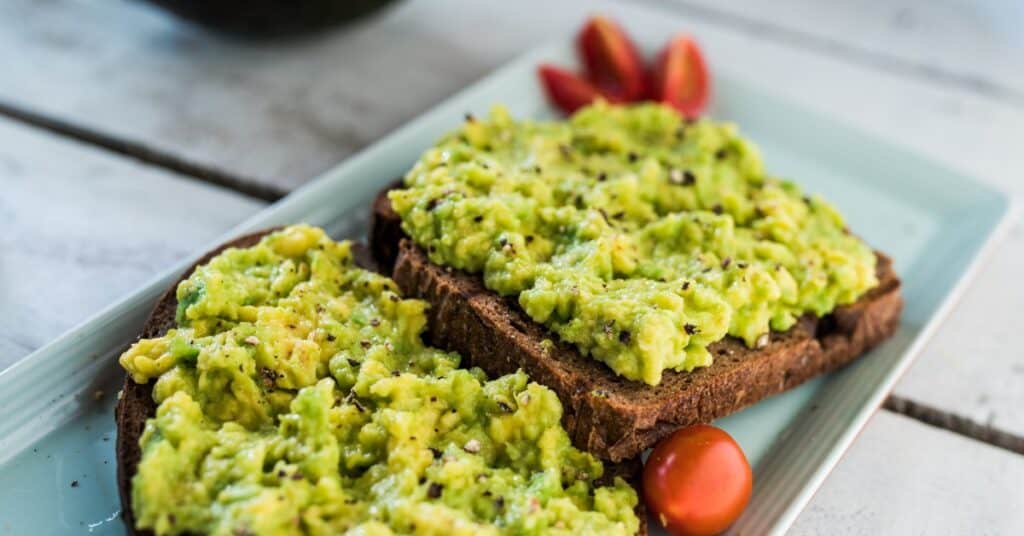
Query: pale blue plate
pixel 57 428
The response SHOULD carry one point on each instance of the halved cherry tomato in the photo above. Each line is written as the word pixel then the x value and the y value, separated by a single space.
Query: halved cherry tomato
pixel 681 77
pixel 697 481
pixel 611 60
pixel 568 90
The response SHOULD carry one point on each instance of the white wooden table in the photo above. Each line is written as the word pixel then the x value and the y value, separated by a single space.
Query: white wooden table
pixel 127 139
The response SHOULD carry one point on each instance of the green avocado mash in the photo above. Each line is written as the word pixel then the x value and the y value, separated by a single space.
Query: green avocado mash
pixel 296 397
pixel 634 235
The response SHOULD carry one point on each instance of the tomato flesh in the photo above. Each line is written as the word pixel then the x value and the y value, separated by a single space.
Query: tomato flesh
pixel 681 77
pixel 568 90
pixel 611 60
pixel 697 481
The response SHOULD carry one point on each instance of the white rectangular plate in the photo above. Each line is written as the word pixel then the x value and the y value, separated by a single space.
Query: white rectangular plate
pixel 57 421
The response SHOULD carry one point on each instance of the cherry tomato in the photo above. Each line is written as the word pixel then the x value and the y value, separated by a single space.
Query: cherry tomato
pixel 611 60
pixel 568 90
pixel 697 481
pixel 681 77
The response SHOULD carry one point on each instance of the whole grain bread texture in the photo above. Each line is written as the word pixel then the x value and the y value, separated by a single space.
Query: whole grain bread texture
pixel 605 414
pixel 136 404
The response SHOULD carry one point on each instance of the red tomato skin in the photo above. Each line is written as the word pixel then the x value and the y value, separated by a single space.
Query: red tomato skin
pixel 681 77
pixel 697 481
pixel 611 60
pixel 568 90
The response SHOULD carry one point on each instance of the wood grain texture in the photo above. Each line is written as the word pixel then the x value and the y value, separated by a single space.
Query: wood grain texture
pixel 82 227
pixel 974 45
pixel 904 477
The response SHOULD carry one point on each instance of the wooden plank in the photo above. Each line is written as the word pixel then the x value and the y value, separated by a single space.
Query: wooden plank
pixel 977 46
pixel 904 477
pixel 82 227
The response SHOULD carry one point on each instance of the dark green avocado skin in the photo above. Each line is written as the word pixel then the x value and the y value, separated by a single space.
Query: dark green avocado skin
pixel 269 17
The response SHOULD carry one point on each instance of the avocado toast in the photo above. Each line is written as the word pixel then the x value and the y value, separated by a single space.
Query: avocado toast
pixel 590 253
pixel 181 490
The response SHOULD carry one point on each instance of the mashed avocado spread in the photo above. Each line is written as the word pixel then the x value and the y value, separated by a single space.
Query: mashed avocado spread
pixel 634 235
pixel 296 397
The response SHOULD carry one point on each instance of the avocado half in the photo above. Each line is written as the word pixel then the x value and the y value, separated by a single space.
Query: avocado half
pixel 269 17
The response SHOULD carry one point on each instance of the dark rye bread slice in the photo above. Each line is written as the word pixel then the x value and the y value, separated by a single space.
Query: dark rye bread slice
pixel 136 405
pixel 605 414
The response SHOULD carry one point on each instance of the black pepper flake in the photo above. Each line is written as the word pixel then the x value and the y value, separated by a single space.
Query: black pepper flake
pixel 423 480
pixel 618 215
pixel 686 285
pixel 624 336
pixel 74 483
pixel 432 204
pixel 726 262
pixel 680 132
pixel 603 215
pixel 537 169
pixel 434 490
pixel 331 337
pixel 717 209
pixel 353 362
pixel 393 297
pixel 478 219
pixel 690 328
pixel 433 399
pixel 741 265
pixel 807 200
pixel 529 238
pixel 396 373
pixel 632 157
pixel 297 476
pixel 470 118
pixel 364 344
pixel 435 452
pixel 721 154
pixel 281 473
pixel 682 177
pixel 269 377
pixel 602 176
pixel 375 322
pixel 499 503
pixel 171 519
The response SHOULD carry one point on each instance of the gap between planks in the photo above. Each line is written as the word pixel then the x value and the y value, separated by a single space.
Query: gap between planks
pixel 148 155
pixel 955 423
pixel 808 42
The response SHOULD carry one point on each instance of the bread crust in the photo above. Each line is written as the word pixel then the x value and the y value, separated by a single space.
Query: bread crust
pixel 605 414
pixel 136 404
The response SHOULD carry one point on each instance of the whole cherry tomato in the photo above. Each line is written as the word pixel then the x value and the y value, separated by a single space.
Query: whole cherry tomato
pixel 697 481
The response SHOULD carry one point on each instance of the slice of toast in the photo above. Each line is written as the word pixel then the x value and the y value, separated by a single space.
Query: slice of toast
pixel 136 403
pixel 606 414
